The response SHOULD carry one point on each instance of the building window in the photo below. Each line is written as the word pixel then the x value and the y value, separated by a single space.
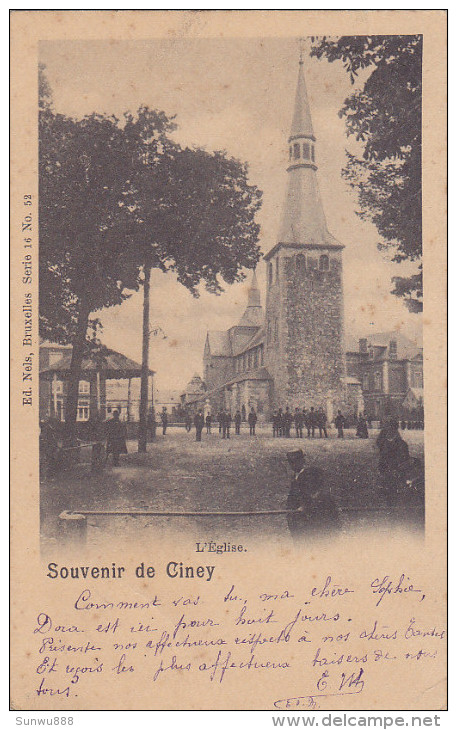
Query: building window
pixel 296 151
pixel 324 262
pixel 306 150
pixel 270 273
pixel 84 387
pixel 276 330
pixel 277 268
pixel 83 410
pixel 250 359
pixel 244 362
pixel 58 386
pixel 60 410
pixel 377 381
pixel 366 382
pixel 312 152
pixel 418 381
pixel 393 349
pixel 261 354
pixel 290 152
pixel 256 358
pixel 300 263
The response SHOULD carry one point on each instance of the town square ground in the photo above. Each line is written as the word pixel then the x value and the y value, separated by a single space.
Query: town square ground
pixel 178 474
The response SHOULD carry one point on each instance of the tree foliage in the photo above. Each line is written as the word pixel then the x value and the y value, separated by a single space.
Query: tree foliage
pixel 119 197
pixel 85 221
pixel 384 115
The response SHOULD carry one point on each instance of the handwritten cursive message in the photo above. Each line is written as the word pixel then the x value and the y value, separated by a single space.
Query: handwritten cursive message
pixel 313 640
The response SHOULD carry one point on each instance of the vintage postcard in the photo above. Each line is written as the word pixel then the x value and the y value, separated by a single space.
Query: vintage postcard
pixel 228 269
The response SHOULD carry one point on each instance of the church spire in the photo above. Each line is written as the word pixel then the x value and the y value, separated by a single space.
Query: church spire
pixel 303 220
pixel 254 292
pixel 253 315
pixel 302 125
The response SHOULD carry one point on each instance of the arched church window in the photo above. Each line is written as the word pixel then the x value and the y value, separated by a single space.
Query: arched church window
pixel 296 151
pixel 277 268
pixel 276 330
pixel 324 263
pixel 306 150
pixel 270 273
pixel 300 263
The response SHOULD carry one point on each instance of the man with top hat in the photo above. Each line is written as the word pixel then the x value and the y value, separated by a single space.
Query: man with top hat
pixel 313 511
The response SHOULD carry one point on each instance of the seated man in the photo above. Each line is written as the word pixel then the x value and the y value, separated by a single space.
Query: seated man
pixel 314 509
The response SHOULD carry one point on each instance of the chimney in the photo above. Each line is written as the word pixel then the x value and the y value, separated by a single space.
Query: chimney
pixel 363 345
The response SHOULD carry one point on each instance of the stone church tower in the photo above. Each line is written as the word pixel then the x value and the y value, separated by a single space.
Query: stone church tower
pixel 304 350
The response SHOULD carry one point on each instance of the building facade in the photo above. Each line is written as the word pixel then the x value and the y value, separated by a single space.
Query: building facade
pixel 293 353
pixel 107 383
pixel 389 368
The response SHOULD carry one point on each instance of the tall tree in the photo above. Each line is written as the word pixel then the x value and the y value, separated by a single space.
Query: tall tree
pixel 385 117
pixel 195 214
pixel 85 221
pixel 120 198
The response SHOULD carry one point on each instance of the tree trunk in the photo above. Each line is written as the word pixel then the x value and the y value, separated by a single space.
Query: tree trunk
pixel 77 354
pixel 143 425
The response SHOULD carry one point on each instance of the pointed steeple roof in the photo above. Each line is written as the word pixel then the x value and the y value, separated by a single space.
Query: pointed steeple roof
pixel 253 315
pixel 302 125
pixel 303 220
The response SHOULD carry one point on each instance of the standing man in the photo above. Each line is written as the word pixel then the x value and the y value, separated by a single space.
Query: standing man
pixel 280 422
pixel 152 423
pixel 188 421
pixel 362 428
pixel 117 434
pixel 322 422
pixel 226 421
pixel 298 419
pixel 199 422
pixel 237 423
pixel 339 423
pixel 394 460
pixel 287 418
pixel 208 423
pixel 252 420
pixel 275 423
pixel 164 418
pixel 220 418
pixel 312 422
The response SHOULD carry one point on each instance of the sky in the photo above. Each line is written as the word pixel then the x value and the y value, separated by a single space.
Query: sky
pixel 237 95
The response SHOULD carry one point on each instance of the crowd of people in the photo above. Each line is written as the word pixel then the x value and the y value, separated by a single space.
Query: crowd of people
pixel 224 421
pixel 284 422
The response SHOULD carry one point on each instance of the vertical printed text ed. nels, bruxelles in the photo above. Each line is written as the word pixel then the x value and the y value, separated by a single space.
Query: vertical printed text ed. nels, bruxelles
pixel 27 360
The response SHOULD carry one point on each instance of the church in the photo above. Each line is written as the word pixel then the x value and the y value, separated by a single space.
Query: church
pixel 293 353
